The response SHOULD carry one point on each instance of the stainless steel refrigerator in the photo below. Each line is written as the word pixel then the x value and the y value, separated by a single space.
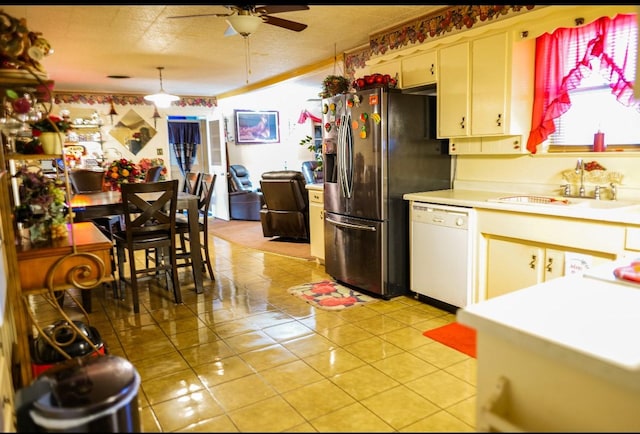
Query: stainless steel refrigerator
pixel 378 144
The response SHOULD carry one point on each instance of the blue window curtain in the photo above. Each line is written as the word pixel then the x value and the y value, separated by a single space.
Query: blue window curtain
pixel 184 138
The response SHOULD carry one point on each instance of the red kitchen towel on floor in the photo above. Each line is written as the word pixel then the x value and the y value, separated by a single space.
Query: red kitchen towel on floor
pixel 629 272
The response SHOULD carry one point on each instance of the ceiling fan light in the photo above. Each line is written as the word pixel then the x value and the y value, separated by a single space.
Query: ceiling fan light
pixel 244 24
pixel 161 99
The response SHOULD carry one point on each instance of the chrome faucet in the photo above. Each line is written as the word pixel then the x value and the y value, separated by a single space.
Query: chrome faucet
pixel 614 191
pixel 580 170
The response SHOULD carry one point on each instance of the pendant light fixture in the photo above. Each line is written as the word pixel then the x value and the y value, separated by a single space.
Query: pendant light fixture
pixel 112 110
pixel 155 116
pixel 161 99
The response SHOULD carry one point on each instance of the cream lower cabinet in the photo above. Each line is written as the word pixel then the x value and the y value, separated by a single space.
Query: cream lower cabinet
pixel 518 250
pixel 316 223
pixel 517 264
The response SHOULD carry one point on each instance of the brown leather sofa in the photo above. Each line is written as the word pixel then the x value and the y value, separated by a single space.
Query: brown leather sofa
pixel 286 211
pixel 245 202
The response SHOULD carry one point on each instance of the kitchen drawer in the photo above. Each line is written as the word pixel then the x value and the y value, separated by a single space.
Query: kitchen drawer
pixel 316 196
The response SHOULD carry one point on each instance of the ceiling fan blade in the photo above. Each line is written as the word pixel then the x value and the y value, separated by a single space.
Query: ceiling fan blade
pixel 290 25
pixel 275 9
pixel 201 15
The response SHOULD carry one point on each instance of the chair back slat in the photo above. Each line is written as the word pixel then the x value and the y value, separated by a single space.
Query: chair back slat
pixel 193 183
pixel 86 181
pixel 206 192
pixel 145 212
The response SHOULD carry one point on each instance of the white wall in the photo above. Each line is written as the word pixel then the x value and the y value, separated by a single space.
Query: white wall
pixel 289 100
pixel 542 174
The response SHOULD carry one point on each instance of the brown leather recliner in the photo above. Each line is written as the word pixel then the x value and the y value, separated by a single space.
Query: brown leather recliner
pixel 244 202
pixel 286 211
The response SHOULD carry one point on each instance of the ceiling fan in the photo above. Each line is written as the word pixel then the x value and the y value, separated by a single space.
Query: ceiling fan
pixel 245 19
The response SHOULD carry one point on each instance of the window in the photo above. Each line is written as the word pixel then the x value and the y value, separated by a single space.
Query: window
pixel 594 108
pixel 584 81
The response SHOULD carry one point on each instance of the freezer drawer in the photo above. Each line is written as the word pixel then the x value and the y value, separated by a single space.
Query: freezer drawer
pixel 352 251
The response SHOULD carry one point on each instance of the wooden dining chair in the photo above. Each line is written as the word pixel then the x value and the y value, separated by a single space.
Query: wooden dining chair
pixel 86 180
pixel 92 181
pixel 153 174
pixel 150 223
pixel 193 183
pixel 182 226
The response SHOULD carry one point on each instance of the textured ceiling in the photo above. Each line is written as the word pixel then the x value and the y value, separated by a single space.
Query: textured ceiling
pixel 92 42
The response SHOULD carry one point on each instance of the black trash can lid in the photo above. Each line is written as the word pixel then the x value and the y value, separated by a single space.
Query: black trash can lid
pixel 85 386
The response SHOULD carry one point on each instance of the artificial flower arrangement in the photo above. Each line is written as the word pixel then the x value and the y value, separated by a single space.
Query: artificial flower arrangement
pixel 147 163
pixel 334 85
pixel 122 171
pixel 42 206
pixel 50 124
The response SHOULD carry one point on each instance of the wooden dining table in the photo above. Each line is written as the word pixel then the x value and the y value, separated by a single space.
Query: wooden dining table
pixel 92 205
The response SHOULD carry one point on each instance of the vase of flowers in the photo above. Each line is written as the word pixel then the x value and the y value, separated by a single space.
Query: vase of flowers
pixel 50 131
pixel 42 208
pixel 120 172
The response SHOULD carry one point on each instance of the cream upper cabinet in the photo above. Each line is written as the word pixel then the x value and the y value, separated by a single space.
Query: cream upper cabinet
pixel 419 70
pixel 453 91
pixel 487 145
pixel 489 85
pixel 485 88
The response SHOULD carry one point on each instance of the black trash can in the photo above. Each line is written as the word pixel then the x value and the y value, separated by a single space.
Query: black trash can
pixel 95 394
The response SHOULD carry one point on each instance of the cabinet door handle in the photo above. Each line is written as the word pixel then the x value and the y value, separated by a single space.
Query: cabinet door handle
pixel 499 120
pixel 532 264
pixel 549 265
pixel 432 69
pixel 462 123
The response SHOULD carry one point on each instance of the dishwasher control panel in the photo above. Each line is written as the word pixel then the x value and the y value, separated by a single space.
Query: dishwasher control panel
pixel 440 215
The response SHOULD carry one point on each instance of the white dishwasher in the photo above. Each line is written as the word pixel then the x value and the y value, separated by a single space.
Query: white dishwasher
pixel 442 252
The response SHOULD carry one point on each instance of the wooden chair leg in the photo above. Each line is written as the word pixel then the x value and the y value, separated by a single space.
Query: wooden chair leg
pixel 207 258
pixel 134 281
pixel 121 278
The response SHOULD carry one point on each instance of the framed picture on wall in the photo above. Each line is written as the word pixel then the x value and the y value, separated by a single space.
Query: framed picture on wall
pixel 257 127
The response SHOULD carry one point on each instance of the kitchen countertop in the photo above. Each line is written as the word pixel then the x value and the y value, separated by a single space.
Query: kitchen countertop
pixel 318 186
pixel 481 199
pixel 588 323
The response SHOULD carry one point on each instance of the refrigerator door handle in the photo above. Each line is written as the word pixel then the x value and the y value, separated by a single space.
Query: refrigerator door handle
pixel 348 151
pixel 342 155
pixel 350 225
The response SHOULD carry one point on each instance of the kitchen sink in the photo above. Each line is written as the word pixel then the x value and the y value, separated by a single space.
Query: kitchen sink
pixel 604 204
pixel 528 199
pixel 533 200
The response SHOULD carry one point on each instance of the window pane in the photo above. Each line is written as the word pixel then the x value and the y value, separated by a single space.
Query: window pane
pixel 597 109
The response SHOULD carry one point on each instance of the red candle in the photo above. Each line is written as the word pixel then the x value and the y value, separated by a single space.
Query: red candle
pixel 598 142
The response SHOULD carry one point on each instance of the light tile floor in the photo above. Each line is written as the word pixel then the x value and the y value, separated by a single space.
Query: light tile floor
pixel 246 356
